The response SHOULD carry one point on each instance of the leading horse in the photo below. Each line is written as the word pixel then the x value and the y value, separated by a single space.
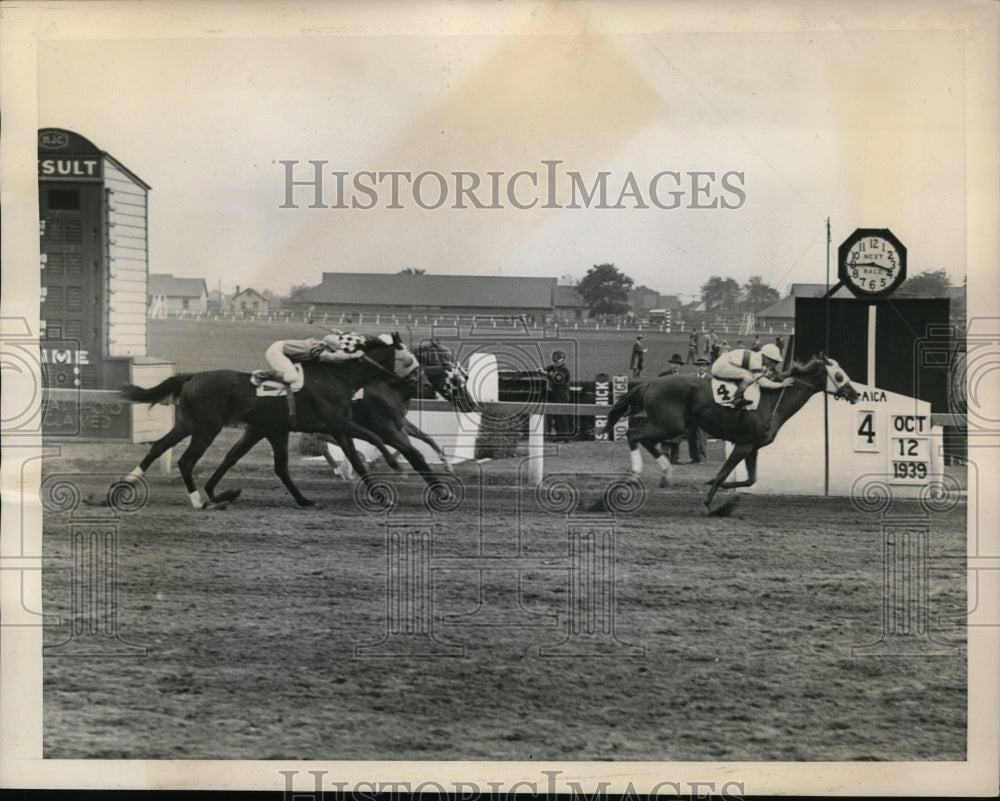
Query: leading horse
pixel 209 400
pixel 670 402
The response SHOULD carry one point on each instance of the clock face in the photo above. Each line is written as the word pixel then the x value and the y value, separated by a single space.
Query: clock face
pixel 872 262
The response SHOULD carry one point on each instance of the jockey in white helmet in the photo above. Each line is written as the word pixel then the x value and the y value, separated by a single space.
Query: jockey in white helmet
pixel 748 367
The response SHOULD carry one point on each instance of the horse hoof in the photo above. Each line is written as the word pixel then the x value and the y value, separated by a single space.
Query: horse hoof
pixel 228 496
pixel 305 503
pixel 664 482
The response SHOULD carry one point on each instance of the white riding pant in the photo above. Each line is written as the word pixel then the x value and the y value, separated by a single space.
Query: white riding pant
pixel 732 372
pixel 280 362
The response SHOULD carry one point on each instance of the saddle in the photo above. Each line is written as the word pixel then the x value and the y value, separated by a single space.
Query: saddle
pixel 270 385
pixel 724 392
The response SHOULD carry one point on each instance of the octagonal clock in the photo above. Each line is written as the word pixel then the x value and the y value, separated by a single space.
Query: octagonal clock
pixel 871 262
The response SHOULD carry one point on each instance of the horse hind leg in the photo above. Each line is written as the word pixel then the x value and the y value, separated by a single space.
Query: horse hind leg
pixel 652 444
pixel 161 446
pixel 199 444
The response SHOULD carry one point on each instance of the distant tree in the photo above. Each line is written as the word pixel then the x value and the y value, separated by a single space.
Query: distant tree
pixel 568 280
pixel 412 271
pixel 298 291
pixel 757 295
pixel 928 284
pixel 720 293
pixel 605 290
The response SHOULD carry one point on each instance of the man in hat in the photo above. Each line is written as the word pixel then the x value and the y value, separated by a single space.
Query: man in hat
pixel 558 377
pixel 672 447
pixel 697 439
pixel 638 356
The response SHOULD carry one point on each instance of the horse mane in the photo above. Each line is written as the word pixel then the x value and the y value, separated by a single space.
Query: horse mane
pixel 806 368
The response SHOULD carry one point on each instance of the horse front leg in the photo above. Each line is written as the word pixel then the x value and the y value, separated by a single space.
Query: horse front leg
pixel 346 444
pixel 751 462
pixel 412 431
pixel 740 452
pixel 279 445
pixel 340 426
pixel 251 436
pixel 400 441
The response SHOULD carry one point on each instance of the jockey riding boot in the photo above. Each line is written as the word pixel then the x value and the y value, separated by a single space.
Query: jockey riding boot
pixel 738 400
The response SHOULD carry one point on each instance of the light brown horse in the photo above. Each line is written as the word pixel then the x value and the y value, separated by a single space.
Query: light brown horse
pixel 670 402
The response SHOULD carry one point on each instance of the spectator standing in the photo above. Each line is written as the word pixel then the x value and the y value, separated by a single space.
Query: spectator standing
pixel 558 377
pixel 672 447
pixel 692 347
pixel 638 357
pixel 697 439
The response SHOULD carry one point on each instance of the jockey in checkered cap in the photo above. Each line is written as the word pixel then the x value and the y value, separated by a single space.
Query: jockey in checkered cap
pixel 749 367
pixel 337 346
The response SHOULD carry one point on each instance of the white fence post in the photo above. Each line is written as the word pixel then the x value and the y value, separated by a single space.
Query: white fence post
pixel 536 448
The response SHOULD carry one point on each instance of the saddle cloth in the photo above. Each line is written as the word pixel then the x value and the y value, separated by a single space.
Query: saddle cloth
pixel 267 387
pixel 724 391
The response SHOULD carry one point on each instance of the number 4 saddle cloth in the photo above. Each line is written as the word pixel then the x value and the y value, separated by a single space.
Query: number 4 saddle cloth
pixel 268 386
pixel 724 391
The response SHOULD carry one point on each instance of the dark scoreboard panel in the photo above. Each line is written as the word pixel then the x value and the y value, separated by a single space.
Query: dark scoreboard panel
pixel 914 342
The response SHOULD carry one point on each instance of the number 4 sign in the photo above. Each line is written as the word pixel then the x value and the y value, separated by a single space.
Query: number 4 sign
pixel 866 440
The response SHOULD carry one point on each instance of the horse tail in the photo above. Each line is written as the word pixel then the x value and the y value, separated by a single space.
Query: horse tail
pixel 627 404
pixel 170 388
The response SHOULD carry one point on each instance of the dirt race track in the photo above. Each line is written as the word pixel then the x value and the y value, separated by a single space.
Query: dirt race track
pixel 264 624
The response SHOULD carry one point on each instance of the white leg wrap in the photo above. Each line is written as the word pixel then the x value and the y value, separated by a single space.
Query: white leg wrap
pixel 135 475
pixel 196 501
pixel 664 463
pixel 636 461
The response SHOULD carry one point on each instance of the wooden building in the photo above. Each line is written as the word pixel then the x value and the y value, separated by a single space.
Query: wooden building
pixel 169 295
pixel 461 295
pixel 94 246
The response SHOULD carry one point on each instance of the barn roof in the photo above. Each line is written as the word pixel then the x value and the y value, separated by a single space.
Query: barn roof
pixel 386 289
pixel 249 290
pixel 166 284
pixel 567 296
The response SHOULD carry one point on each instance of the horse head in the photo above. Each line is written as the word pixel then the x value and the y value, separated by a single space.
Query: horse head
pixel 444 374
pixel 825 375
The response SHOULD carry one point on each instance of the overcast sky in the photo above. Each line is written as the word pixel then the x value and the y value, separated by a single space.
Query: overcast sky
pixel 812 116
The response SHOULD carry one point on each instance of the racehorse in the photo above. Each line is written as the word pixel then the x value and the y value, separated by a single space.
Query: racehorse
pixel 671 401
pixel 385 403
pixel 207 401
pixel 382 410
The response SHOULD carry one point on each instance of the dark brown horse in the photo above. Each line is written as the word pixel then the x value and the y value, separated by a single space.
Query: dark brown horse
pixel 381 410
pixel 669 402
pixel 209 400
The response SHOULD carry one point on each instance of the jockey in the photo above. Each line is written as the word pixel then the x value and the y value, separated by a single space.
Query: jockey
pixel 749 367
pixel 337 346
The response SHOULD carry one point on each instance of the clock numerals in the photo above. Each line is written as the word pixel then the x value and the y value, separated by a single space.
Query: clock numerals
pixel 872 262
